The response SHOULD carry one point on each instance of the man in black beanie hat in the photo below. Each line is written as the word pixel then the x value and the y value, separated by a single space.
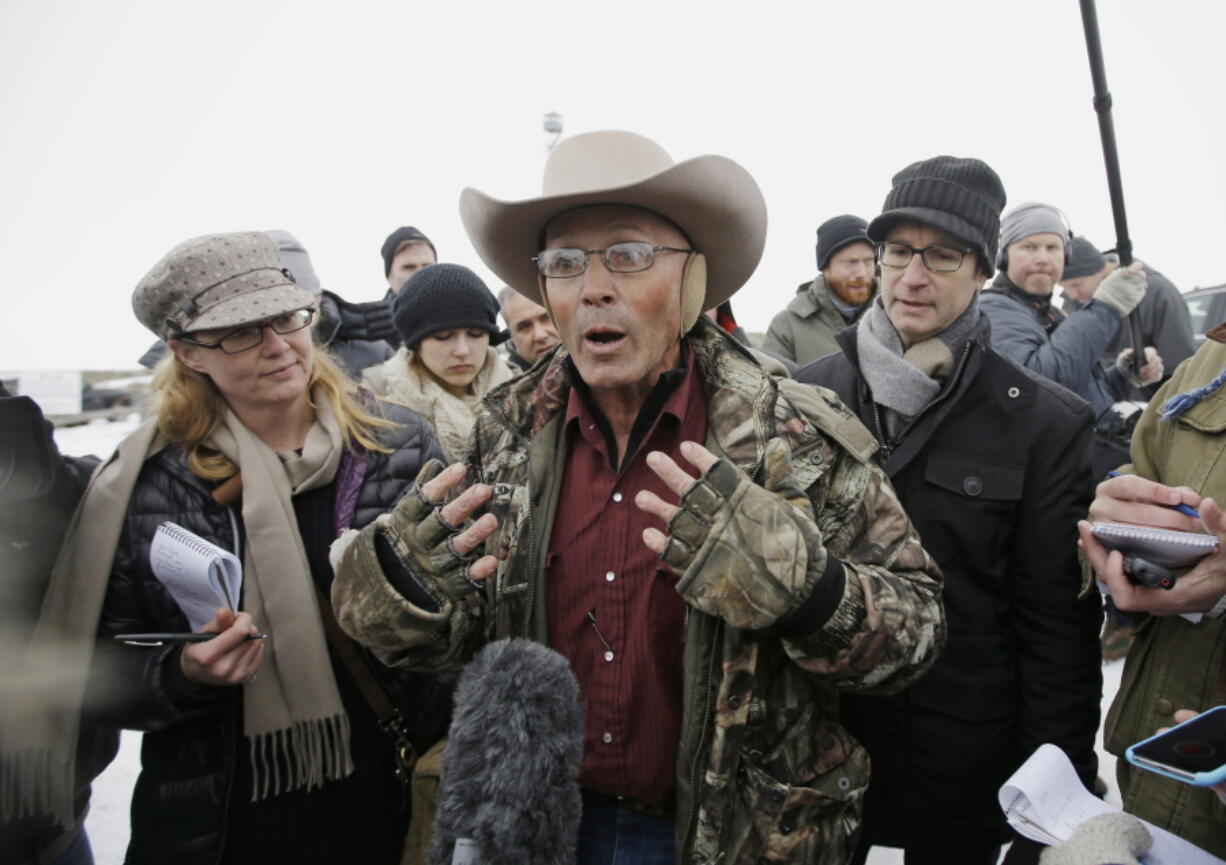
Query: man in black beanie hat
pixel 846 281
pixel 1165 323
pixel 405 251
pixel 989 461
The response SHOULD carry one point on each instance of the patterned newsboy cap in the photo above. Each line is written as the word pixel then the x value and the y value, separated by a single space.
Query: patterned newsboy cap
pixel 217 281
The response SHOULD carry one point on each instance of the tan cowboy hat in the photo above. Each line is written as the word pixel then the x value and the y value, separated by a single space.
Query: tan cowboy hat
pixel 710 198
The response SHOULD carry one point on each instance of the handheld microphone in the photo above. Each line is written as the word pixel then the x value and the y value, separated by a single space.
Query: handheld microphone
pixel 510 792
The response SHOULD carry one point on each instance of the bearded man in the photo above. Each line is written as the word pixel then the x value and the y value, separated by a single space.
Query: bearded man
pixel 846 282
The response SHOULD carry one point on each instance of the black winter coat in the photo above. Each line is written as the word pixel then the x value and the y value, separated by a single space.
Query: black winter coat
pixel 357 334
pixel 994 477
pixel 194 736
pixel 39 490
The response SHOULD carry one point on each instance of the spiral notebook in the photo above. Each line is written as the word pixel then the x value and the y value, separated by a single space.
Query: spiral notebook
pixel 1045 801
pixel 199 575
pixel 1161 547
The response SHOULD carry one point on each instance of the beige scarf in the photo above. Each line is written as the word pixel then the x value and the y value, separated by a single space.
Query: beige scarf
pixel 293 720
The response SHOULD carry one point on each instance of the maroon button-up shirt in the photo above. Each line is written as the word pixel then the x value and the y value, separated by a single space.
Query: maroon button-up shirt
pixel 613 611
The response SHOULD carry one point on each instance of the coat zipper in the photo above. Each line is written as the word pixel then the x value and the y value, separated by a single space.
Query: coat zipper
pixel 531 560
pixel 888 448
pixel 702 737
pixel 527 632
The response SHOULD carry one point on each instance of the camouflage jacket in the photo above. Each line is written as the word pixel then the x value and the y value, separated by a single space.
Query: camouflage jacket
pixel 765 771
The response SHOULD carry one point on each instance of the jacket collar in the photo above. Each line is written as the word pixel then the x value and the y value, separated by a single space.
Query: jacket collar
pixel 813 298
pixel 734 382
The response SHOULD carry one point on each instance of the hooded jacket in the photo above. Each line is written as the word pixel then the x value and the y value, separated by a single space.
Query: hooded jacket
pixel 995 476
pixel 806 329
pixel 764 771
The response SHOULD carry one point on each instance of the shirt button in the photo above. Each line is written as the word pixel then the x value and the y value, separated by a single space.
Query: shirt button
pixel 617 497
pixel 1164 707
pixel 1014 393
pixel 610 576
pixel 972 486
pixel 608 656
pixel 607 738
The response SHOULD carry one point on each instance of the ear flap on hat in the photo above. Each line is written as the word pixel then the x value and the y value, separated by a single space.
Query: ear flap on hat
pixel 693 290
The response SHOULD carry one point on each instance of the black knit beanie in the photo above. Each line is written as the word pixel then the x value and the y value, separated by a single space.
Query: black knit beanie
pixel 837 232
pixel 402 235
pixel 1084 259
pixel 444 297
pixel 961 196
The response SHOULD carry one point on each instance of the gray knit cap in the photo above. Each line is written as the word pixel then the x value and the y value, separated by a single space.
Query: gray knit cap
pixel 1027 219
pixel 216 281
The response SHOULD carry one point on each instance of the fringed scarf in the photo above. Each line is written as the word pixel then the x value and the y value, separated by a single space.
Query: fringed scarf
pixel 295 726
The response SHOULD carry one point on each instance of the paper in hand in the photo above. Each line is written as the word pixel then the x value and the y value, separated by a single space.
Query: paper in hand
pixel 199 575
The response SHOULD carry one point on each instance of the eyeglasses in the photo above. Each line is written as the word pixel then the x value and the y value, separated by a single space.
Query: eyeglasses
pixel 631 256
pixel 250 335
pixel 938 259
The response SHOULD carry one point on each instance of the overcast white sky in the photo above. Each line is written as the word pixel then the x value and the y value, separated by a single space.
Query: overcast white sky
pixel 131 125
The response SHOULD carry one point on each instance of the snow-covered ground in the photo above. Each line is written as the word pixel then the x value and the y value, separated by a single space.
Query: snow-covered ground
pixel 108 818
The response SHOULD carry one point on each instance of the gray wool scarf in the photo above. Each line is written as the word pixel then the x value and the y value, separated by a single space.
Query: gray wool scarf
pixel 906 381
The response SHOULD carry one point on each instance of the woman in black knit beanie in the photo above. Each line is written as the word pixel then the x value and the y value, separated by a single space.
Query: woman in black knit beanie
pixel 447 318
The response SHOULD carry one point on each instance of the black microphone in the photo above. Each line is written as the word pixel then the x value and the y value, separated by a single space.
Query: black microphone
pixel 511 768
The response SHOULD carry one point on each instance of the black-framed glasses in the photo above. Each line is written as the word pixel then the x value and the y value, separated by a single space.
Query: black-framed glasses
pixel 250 335
pixel 938 259
pixel 630 256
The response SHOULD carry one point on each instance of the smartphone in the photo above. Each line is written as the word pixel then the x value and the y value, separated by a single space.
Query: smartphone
pixel 1193 752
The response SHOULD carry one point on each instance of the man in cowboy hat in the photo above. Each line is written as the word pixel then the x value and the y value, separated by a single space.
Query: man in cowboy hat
pixel 711 549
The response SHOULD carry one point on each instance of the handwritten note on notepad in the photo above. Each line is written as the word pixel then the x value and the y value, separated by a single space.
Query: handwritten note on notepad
pixel 199 575
pixel 1045 801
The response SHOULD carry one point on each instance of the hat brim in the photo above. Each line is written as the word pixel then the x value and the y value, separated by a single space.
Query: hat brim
pixel 711 198
pixel 947 222
pixel 252 306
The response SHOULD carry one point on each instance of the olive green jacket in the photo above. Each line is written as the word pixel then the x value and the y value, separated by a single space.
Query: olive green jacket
pixel 765 771
pixel 1175 664
pixel 806 328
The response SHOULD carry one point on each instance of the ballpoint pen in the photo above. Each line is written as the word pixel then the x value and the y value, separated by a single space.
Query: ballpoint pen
pixel 161 639
pixel 1183 509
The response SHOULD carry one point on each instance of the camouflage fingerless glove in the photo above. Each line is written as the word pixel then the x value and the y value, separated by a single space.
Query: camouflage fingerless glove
pixel 421 541
pixel 751 555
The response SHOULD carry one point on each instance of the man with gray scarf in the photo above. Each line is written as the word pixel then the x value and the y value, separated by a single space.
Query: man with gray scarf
pixel 991 463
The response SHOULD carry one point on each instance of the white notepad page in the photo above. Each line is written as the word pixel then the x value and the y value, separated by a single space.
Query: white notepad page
pixel 199 575
pixel 1045 801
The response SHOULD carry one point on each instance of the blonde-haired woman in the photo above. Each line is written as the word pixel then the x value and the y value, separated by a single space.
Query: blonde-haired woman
pixel 256 750
pixel 448 320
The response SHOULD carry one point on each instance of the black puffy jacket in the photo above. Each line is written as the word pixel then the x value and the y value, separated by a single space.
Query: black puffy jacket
pixel 994 477
pixel 194 736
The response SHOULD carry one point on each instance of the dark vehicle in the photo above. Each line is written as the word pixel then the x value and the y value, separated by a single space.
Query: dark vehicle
pixel 96 398
pixel 1207 307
